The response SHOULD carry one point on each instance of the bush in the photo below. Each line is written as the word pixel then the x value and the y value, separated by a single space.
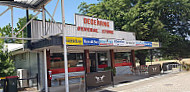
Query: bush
pixel 6 64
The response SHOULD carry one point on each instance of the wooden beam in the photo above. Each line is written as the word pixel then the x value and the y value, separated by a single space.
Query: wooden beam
pixel 87 61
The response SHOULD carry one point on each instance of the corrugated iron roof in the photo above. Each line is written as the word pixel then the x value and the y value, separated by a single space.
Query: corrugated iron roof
pixel 34 4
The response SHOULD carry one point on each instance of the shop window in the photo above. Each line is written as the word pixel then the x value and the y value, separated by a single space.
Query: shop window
pixel 122 59
pixel 74 60
pixel 102 60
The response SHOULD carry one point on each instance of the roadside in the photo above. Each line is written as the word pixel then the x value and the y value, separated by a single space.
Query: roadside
pixel 174 82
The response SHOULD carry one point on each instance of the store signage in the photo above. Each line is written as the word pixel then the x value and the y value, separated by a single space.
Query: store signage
pixel 119 42
pixel 74 41
pixel 154 69
pixel 95 25
pixel 130 43
pixel 155 44
pixel 98 79
pixel 148 44
pixel 90 41
pixel 140 43
pixel 105 42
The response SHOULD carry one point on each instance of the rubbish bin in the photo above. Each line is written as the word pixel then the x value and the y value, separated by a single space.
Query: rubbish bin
pixel 11 84
pixel 2 84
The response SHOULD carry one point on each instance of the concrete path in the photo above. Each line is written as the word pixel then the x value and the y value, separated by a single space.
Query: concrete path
pixel 179 82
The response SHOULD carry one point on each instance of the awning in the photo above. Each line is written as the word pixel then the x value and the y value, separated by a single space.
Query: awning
pixel 33 4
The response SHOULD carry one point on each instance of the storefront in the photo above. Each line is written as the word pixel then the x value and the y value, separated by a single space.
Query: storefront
pixel 93 47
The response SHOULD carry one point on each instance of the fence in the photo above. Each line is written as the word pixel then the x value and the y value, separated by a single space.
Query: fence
pixel 29 82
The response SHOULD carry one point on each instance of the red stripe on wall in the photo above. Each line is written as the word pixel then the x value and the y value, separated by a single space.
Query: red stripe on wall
pixel 123 64
pixel 70 69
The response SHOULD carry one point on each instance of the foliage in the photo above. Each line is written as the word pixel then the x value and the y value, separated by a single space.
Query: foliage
pixel 165 21
pixel 6 64
pixel 6 31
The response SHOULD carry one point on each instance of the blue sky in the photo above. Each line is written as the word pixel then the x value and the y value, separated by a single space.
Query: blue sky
pixel 70 10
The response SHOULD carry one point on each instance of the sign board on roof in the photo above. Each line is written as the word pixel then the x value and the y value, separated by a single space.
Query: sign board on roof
pixel 105 42
pixel 140 43
pixel 74 41
pixel 155 44
pixel 94 25
pixel 130 43
pixel 90 41
pixel 118 42
pixel 148 44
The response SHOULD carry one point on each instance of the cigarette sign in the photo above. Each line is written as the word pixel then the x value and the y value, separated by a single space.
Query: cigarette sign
pixel 74 41
pixel 139 43
pixel 105 42
pixel 119 42
pixel 155 44
pixel 148 44
pixel 90 41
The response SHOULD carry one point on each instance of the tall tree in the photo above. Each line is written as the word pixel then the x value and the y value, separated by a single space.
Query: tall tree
pixel 166 21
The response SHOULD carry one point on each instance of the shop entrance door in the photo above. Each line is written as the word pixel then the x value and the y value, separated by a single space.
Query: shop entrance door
pixel 93 62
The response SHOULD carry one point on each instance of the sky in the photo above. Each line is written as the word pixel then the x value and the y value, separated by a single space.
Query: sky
pixel 69 5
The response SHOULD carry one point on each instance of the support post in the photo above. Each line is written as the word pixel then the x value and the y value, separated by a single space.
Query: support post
pixel 151 56
pixel 45 58
pixel 112 58
pixel 45 71
pixel 65 48
pixel 12 19
pixel 133 58
pixel 87 61
pixel 48 66
pixel 28 28
pixel 112 65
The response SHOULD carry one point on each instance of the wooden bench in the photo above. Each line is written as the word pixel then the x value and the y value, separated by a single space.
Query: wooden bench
pixel 71 77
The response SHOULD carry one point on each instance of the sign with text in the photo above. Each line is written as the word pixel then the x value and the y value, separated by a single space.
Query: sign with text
pixel 148 44
pixel 105 42
pixel 155 44
pixel 140 43
pixel 90 41
pixel 130 43
pixel 97 79
pixel 96 25
pixel 74 41
pixel 119 42
pixel 154 69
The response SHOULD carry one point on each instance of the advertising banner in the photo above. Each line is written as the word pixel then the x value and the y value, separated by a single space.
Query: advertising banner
pixel 90 41
pixel 155 44
pixel 140 43
pixel 74 41
pixel 130 43
pixel 119 42
pixel 154 69
pixel 148 44
pixel 97 79
pixel 105 42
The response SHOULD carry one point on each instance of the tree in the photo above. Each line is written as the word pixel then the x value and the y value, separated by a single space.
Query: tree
pixel 6 31
pixel 6 64
pixel 165 21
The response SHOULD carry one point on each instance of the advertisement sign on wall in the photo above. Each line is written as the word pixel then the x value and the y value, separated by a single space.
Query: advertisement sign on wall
pixel 140 43
pixel 97 79
pixel 148 44
pixel 130 43
pixel 155 44
pixel 74 41
pixel 90 41
pixel 117 42
pixel 105 42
